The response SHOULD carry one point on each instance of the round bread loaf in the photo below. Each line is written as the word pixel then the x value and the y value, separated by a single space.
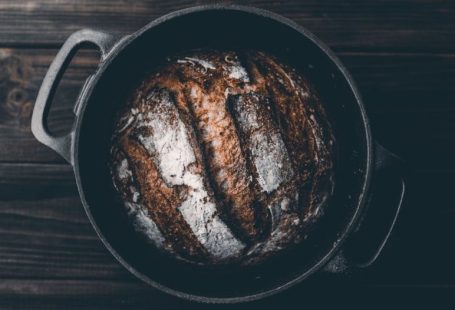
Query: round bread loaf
pixel 223 156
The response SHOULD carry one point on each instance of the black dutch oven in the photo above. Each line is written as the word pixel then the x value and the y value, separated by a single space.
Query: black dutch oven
pixel 359 217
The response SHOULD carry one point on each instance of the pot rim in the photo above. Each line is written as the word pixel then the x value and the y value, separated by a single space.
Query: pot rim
pixel 123 43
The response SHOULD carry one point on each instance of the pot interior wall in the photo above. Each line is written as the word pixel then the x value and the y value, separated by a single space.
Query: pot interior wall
pixel 220 29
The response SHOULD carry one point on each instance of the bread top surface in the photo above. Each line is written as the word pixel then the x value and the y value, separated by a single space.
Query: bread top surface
pixel 223 156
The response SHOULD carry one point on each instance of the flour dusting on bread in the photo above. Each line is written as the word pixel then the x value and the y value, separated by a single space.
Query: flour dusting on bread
pixel 223 156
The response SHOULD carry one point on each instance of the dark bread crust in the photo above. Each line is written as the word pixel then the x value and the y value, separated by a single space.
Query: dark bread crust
pixel 220 146
pixel 227 166
pixel 161 201
pixel 303 122
pixel 262 147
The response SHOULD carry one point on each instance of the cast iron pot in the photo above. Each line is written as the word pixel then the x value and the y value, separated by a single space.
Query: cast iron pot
pixel 123 64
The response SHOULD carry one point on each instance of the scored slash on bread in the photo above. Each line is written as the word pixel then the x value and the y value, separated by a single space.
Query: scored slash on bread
pixel 262 140
pixel 306 132
pixel 226 162
pixel 228 157
pixel 164 199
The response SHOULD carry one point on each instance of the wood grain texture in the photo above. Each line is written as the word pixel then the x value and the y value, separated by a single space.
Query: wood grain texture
pixel 417 88
pixel 45 232
pixel 348 25
pixel 21 74
pixel 402 55
pixel 48 237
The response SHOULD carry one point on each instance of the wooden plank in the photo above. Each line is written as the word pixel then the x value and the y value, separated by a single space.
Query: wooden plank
pixel 417 88
pixel 51 257
pixel 68 287
pixel 96 295
pixel 412 25
pixel 45 294
pixel 45 232
pixel 46 235
pixel 21 74
pixel 32 181
pixel 82 294
pixel 49 243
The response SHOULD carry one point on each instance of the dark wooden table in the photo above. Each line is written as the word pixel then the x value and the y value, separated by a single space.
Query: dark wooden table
pixel 401 53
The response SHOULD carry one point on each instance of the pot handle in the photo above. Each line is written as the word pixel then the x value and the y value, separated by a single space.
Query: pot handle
pixel 62 144
pixel 379 217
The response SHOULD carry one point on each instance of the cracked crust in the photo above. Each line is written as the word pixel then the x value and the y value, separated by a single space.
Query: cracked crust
pixel 230 154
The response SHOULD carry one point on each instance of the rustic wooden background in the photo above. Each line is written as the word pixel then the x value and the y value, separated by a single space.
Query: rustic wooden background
pixel 401 53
